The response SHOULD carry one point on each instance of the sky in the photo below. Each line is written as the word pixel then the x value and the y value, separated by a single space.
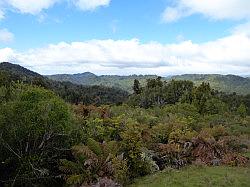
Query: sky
pixel 123 37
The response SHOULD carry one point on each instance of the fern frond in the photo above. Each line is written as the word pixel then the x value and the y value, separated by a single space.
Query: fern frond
pixel 95 146
pixel 75 179
pixel 82 150
pixel 70 167
pixel 110 147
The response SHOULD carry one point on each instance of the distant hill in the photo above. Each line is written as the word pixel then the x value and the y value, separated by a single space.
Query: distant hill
pixel 18 70
pixel 69 91
pixel 225 83
pixel 87 78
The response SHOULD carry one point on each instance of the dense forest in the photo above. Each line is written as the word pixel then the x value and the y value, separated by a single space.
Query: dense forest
pixel 225 83
pixel 87 78
pixel 63 134
pixel 70 92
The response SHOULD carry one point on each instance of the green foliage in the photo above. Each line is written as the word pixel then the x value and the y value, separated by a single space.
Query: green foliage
pixel 94 161
pixel 164 124
pixel 223 83
pixel 160 132
pixel 201 95
pixel 89 79
pixel 159 93
pixel 132 144
pixel 73 93
pixel 215 106
pixel 94 146
pixel 35 128
pixel 242 111
pixel 181 135
pixel 136 87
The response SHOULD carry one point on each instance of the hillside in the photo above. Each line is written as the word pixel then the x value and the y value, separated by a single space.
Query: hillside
pixel 70 92
pixel 123 82
pixel 225 83
pixel 165 133
pixel 18 70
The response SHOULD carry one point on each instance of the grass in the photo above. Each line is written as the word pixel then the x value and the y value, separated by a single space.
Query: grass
pixel 194 176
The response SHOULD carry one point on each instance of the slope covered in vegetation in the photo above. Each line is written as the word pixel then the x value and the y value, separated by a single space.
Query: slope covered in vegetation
pixel 122 82
pixel 70 92
pixel 45 141
pixel 225 83
pixel 18 70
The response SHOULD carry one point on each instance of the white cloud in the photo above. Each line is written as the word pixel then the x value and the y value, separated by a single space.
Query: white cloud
pixel 31 6
pixel 215 9
pixel 6 36
pixel 226 55
pixel 171 14
pixel 7 55
pixel 242 28
pixel 91 4
pixel 35 7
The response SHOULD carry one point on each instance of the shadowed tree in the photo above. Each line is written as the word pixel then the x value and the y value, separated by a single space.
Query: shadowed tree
pixel 136 87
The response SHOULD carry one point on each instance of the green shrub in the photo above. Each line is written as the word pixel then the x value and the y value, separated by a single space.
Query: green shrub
pixel 35 132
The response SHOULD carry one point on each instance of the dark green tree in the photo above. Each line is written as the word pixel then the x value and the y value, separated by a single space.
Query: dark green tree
pixel 137 87
pixel 201 94
pixel 154 83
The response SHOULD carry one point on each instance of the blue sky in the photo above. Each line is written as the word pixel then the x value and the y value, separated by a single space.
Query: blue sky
pixel 127 36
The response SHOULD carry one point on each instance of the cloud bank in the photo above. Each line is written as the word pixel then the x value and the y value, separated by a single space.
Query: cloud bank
pixel 213 9
pixel 225 55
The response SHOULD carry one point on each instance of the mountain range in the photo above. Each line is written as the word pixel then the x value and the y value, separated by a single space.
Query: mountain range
pixel 87 78
pixel 225 83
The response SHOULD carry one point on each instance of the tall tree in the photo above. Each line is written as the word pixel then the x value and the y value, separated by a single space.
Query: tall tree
pixel 137 87
pixel 201 94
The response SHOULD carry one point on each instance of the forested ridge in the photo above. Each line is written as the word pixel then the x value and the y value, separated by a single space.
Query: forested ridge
pixel 70 92
pixel 122 82
pixel 225 83
pixel 62 134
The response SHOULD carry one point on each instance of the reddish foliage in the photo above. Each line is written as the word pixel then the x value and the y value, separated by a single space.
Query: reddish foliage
pixel 234 159
pixel 85 111
pixel 215 153
pixel 207 151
